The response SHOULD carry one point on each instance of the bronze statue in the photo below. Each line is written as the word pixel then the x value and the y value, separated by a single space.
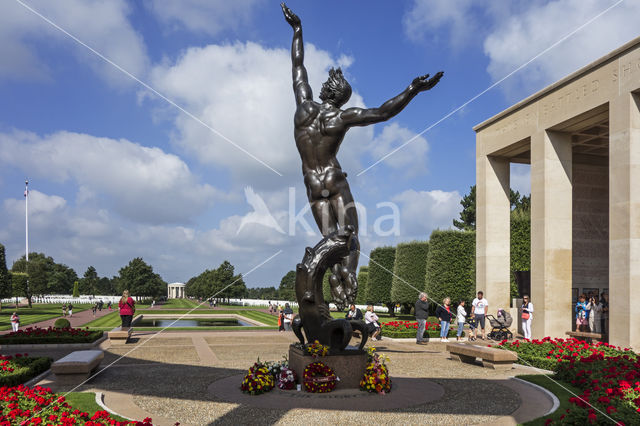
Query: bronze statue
pixel 319 131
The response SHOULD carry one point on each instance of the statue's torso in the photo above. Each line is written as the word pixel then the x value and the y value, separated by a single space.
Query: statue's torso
pixel 318 133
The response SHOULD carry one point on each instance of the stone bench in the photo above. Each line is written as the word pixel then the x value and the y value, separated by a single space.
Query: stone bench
pixel 120 335
pixel 77 366
pixel 491 357
pixel 599 337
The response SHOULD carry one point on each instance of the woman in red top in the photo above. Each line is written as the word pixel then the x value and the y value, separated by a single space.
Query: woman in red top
pixel 127 308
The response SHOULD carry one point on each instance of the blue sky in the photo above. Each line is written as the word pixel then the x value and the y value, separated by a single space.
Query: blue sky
pixel 117 172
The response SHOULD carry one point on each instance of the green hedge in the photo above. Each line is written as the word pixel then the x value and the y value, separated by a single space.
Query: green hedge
pixel 62 323
pixel 380 275
pixel 326 286
pixel 363 279
pixel 29 368
pixel 36 340
pixel 409 267
pixel 520 245
pixel 451 268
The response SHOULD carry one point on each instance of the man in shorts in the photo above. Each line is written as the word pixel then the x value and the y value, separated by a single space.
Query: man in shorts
pixel 480 308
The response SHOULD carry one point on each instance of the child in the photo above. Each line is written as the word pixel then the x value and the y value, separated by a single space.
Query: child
pixel 472 326
pixel 582 317
pixel 462 316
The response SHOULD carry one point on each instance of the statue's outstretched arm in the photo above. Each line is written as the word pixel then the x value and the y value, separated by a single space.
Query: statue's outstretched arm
pixel 363 117
pixel 301 86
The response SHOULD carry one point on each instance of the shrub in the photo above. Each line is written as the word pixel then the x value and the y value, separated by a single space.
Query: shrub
pixel 326 286
pixel 520 245
pixel 363 279
pixel 380 276
pixel 409 267
pixel 451 267
pixel 17 370
pixel 62 323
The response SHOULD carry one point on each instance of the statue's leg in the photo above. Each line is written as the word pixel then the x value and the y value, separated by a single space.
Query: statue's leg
pixel 345 208
pixel 362 328
pixel 296 326
pixel 337 333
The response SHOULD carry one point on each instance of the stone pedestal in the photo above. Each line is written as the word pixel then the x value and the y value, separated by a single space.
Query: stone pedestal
pixel 349 365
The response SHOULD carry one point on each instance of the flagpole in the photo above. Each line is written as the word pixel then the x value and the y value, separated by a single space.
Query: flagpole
pixel 26 218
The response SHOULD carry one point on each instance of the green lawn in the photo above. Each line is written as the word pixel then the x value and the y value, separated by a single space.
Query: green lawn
pixel 39 312
pixel 562 395
pixel 86 402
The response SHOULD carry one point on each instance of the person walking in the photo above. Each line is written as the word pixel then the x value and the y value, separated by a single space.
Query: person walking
pixel 94 308
pixel 70 309
pixel 280 319
pixel 462 318
pixel 64 309
pixel 443 312
pixel 480 309
pixel 422 314
pixel 527 316
pixel 127 309
pixel 15 321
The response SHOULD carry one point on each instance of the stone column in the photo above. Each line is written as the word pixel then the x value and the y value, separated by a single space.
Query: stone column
pixel 168 292
pixel 624 221
pixel 551 231
pixel 492 230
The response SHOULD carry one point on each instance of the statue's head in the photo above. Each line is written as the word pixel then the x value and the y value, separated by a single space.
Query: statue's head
pixel 336 90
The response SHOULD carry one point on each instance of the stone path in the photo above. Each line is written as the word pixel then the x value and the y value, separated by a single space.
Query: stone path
pixel 168 377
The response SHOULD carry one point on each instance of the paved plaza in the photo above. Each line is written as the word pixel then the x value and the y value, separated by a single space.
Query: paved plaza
pixel 177 377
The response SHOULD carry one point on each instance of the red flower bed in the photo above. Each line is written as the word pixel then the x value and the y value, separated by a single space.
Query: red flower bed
pixel 608 376
pixel 22 406
pixel 610 388
pixel 36 335
pixel 409 325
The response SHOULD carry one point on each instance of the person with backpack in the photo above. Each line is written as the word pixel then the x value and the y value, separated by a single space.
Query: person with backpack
pixel 127 309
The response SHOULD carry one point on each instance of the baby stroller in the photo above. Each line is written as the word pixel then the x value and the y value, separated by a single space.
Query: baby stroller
pixel 500 326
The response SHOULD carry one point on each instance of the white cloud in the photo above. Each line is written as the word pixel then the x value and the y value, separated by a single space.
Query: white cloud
pixel 143 184
pixel 204 16
pixel 103 25
pixel 244 91
pixel 428 16
pixel 411 159
pixel 523 35
pixel 423 211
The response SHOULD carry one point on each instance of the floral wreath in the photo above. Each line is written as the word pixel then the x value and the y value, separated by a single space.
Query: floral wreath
pixel 319 378
pixel 376 374
pixel 258 380
pixel 287 379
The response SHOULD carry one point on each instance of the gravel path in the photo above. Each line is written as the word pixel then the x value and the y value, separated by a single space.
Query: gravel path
pixel 168 377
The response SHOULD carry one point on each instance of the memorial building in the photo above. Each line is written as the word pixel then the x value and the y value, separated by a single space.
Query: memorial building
pixel 581 137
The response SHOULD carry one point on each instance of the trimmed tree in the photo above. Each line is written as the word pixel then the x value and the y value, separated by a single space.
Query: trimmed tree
pixel 363 279
pixel 5 278
pixel 19 284
pixel 138 277
pixel 381 263
pixel 451 266
pixel 76 291
pixel 409 267
pixel 520 244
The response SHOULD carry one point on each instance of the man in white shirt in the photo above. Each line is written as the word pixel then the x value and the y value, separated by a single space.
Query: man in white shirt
pixel 480 308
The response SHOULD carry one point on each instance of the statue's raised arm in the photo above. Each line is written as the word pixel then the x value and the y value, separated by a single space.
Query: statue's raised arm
pixel 301 86
pixel 364 116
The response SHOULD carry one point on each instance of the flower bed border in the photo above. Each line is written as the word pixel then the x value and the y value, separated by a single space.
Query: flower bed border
pixel 36 366
pixel 11 341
